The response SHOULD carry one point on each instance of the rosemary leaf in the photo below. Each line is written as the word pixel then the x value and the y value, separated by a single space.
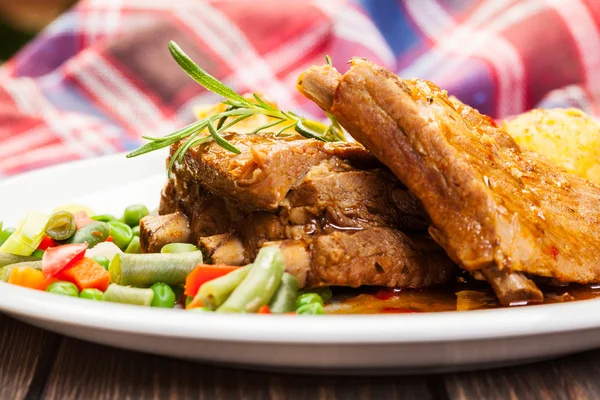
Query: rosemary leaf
pixel 272 124
pixel 307 132
pixel 283 129
pixel 328 60
pixel 201 76
pixel 220 140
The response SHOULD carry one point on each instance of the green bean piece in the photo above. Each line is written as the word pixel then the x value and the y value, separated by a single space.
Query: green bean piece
pixel 178 248
pixel 129 295
pixel 164 296
pixel 284 299
pixel 5 234
pixel 147 269
pixel 178 290
pixel 63 288
pixel 201 309
pixel 104 218
pixel 308 298
pixel 61 226
pixel 38 254
pixel 134 213
pixel 92 294
pixel 92 234
pixel 102 260
pixel 214 293
pixel 311 309
pixel 7 259
pixel 136 230
pixel 260 285
pixel 134 246
pixel 121 234
pixel 7 269
pixel 325 293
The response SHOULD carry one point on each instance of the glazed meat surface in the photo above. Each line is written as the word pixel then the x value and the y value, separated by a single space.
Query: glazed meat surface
pixel 500 212
pixel 353 220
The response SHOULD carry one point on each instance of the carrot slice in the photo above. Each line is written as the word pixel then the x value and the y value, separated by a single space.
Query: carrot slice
pixel 203 273
pixel 87 274
pixel 29 277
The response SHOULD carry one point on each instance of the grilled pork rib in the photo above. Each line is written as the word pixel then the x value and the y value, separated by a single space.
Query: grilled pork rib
pixel 500 212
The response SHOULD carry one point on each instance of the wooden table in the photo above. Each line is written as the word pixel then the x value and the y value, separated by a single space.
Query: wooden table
pixel 38 364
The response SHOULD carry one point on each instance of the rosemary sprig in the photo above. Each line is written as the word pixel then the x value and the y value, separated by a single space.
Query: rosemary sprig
pixel 239 108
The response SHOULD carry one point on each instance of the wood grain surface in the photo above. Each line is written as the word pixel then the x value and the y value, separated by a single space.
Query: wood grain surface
pixel 36 364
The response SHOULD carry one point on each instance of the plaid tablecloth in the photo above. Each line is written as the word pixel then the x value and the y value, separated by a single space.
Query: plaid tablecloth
pixel 101 75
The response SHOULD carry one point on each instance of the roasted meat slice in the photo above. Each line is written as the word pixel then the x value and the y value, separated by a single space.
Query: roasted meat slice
pixel 159 230
pixel 260 177
pixel 375 256
pixel 498 211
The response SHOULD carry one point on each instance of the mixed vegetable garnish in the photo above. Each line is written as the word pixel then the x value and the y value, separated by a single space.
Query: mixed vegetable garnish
pixel 98 257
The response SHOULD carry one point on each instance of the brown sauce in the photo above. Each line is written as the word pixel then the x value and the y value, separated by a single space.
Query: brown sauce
pixel 459 297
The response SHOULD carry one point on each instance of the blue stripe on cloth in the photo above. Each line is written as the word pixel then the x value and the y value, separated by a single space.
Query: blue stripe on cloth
pixel 393 24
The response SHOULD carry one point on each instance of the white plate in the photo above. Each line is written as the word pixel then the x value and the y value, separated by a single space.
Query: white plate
pixel 408 343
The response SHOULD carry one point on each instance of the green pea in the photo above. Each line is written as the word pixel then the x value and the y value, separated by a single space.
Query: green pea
pixel 311 309
pixel 102 260
pixel 178 248
pixel 325 293
pixel 134 213
pixel 308 298
pixel 104 218
pixel 63 288
pixel 61 226
pixel 4 235
pixel 38 253
pixel 201 309
pixel 163 296
pixel 178 290
pixel 121 234
pixel 134 246
pixel 92 294
pixel 136 230
pixel 92 234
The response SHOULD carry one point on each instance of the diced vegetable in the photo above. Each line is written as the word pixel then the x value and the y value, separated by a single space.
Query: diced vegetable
pixel 106 249
pixel 164 296
pixel 47 242
pixel 7 259
pixel 7 269
pixel 57 258
pixel 28 277
pixel 284 299
pixel 264 310
pixel 5 234
pixel 63 288
pixel 201 309
pixel 260 285
pixel 61 226
pixel 214 292
pixel 121 234
pixel 311 309
pixel 82 219
pixel 86 274
pixel 178 248
pixel 133 214
pixel 103 261
pixel 308 298
pixel 204 273
pixel 147 269
pixel 92 294
pixel 92 234
pixel 38 254
pixel 27 236
pixel 134 246
pixel 325 293
pixel 128 295
pixel 104 218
